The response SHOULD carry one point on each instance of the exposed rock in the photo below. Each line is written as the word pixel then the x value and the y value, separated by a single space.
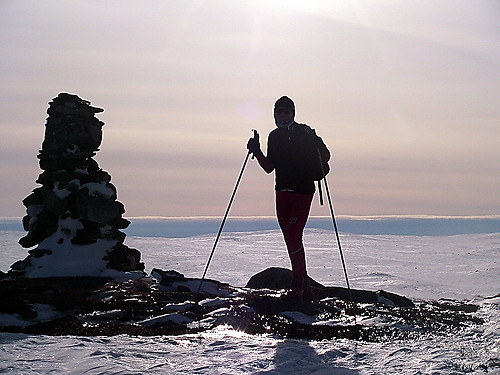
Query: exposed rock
pixel 166 303
pixel 274 278
pixel 281 278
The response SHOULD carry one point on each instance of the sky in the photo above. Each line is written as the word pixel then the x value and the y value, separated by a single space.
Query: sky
pixel 405 95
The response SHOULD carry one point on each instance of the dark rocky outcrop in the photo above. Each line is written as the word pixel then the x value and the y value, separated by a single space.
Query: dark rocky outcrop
pixel 281 278
pixel 167 303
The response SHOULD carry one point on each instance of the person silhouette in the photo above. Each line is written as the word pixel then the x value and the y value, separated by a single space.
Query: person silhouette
pixel 293 153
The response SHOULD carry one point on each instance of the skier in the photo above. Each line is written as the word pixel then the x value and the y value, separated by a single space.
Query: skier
pixel 292 152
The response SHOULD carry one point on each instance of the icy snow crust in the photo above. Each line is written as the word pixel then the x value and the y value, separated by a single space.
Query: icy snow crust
pixel 463 267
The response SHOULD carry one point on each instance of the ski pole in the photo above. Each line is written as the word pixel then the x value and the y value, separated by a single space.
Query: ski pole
pixel 336 230
pixel 224 220
pixel 320 192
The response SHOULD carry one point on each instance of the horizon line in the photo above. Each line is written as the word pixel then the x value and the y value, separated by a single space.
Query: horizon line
pixel 351 217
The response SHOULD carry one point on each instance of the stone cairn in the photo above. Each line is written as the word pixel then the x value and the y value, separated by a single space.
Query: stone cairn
pixel 76 198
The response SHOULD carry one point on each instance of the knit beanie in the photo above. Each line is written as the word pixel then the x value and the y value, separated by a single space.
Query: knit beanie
pixel 284 102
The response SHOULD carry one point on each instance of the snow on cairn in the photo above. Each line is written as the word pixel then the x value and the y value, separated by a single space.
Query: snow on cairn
pixel 74 219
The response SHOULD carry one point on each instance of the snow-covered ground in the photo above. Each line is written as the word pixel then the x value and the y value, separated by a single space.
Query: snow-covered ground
pixel 463 267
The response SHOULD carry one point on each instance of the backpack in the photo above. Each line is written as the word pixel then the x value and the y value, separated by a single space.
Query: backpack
pixel 318 168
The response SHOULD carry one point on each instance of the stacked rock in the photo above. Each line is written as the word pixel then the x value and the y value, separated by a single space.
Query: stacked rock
pixel 76 205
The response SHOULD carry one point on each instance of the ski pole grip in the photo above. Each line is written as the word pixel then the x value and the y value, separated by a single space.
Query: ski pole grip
pixel 256 137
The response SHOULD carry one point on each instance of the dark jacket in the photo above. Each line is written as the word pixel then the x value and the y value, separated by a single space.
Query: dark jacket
pixel 293 152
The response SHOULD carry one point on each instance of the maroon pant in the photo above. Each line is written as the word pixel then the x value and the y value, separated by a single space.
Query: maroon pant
pixel 292 210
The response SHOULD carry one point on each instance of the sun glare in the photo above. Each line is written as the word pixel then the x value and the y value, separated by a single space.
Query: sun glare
pixel 297 5
pixel 341 8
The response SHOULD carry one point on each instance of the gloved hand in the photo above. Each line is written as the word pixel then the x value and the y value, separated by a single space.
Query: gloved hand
pixel 253 144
